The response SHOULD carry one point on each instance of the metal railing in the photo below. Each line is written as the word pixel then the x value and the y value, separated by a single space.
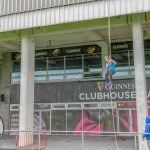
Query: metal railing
pixel 38 140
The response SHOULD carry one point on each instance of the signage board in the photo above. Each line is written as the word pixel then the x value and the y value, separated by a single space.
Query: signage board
pixel 81 91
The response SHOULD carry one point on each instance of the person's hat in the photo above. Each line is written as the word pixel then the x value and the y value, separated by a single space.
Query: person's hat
pixel 106 57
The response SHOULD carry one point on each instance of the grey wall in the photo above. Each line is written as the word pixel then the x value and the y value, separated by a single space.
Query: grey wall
pixel 5 81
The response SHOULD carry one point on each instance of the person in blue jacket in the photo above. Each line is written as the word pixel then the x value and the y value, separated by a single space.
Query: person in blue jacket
pixel 147 130
pixel 111 69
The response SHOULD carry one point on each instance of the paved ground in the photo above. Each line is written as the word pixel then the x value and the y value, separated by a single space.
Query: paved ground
pixel 75 143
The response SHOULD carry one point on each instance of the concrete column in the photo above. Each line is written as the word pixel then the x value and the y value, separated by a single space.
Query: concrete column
pixel 140 78
pixel 26 89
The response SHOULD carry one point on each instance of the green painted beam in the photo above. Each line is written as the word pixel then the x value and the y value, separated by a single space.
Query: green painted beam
pixel 9 35
pixel 71 26
pixel 80 25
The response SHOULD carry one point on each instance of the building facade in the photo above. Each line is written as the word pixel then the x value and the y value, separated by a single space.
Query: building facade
pixel 53 69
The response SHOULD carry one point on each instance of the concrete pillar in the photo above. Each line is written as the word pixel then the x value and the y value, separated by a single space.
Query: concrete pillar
pixel 140 78
pixel 26 89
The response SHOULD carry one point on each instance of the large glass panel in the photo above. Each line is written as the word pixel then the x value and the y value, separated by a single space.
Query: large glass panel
pixel 147 61
pixel 58 121
pixel 38 123
pixel 122 59
pixel 92 65
pixel 16 71
pixel 131 62
pixel 106 120
pixel 91 122
pixel 40 69
pixel 46 120
pixel 124 122
pixel 73 120
pixel 56 68
pixel 134 121
pixel 74 68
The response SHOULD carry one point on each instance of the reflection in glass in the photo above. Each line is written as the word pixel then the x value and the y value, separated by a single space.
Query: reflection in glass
pixel 124 124
pixel 92 65
pixel 56 68
pixel 106 120
pixel 73 117
pixel 147 61
pixel 74 68
pixel 134 121
pixel 37 123
pixel 40 69
pixel 46 119
pixel 123 63
pixel 96 121
pixel 56 65
pixel 16 71
pixel 121 58
pixel 58 121
pixel 73 64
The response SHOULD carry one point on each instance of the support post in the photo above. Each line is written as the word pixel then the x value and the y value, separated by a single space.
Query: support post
pixel 140 78
pixel 26 90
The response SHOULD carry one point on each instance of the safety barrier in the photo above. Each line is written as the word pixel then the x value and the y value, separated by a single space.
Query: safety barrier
pixel 38 140
pixel 31 140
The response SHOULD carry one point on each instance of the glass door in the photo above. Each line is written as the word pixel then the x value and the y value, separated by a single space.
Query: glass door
pixel 127 120
pixel 45 120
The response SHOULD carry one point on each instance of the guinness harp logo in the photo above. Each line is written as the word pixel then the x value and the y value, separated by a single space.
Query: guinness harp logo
pixel 18 56
pixel 100 85
pixel 91 49
pixel 56 52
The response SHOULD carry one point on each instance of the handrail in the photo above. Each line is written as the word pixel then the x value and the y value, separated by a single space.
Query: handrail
pixel 48 131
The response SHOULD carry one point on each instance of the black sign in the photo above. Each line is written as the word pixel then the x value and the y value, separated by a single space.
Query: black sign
pixel 88 49
pixel 83 91
pixel 127 45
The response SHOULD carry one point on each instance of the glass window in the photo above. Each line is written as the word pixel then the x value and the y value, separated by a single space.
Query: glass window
pixel 40 70
pixel 16 71
pixel 147 57
pixel 91 122
pixel 106 120
pixel 122 59
pixel 74 68
pixel 46 120
pixel 92 65
pixel 16 66
pixel 58 121
pixel 124 122
pixel 37 122
pixel 147 61
pixel 73 120
pixel 134 121
pixel 40 67
pixel 56 68
pixel 131 62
